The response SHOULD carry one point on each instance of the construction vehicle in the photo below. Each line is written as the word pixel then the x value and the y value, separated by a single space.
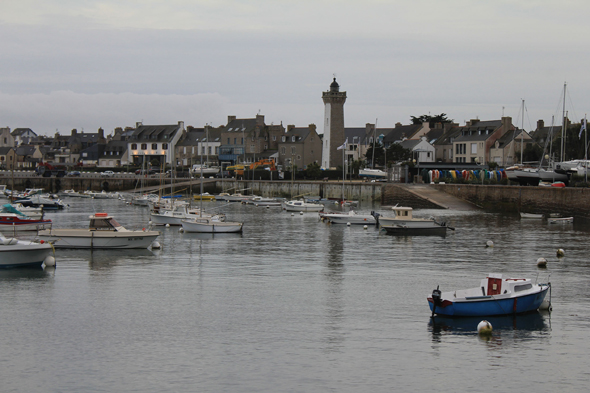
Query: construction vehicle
pixel 267 164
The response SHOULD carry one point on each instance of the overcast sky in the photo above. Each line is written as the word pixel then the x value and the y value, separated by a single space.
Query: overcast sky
pixel 87 64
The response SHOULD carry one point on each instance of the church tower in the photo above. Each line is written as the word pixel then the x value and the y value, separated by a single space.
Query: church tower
pixel 333 126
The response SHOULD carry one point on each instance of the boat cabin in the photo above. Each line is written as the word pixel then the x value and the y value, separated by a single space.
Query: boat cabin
pixel 496 284
pixel 404 213
pixel 103 222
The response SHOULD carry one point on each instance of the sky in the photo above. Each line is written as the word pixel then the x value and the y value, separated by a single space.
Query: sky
pixel 86 64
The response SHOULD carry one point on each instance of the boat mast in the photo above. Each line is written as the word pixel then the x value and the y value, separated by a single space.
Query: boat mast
pixel 563 133
pixel 522 133
pixel 374 137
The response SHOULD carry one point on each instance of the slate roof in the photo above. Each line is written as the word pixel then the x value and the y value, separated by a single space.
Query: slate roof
pixel 300 133
pixel 4 150
pixel 154 133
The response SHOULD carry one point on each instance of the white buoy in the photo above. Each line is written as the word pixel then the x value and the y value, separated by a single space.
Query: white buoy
pixel 156 246
pixel 541 262
pixel 366 227
pixel 181 230
pixel 546 305
pixel 292 214
pixel 300 213
pixel 484 328
pixel 150 222
pixel 167 225
pixel 49 261
pixel 560 253
pixel 489 243
pixel 347 224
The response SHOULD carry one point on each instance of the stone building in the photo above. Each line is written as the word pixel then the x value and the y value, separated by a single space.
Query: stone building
pixel 300 146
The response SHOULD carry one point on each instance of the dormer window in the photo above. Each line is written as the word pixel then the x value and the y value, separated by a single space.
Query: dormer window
pixel 283 139
pixel 292 139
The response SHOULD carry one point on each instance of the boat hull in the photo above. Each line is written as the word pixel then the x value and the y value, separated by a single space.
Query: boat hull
pixel 31 255
pixel 491 305
pixel 400 230
pixel 76 238
pixel 212 227
pixel 302 207
pixel 353 220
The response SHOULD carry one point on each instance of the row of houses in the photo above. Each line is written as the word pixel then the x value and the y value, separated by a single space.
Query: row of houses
pixel 249 139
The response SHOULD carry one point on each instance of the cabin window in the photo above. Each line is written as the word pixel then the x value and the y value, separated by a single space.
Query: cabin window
pixel 520 288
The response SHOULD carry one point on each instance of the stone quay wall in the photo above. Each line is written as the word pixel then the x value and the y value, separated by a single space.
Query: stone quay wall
pixel 393 194
pixel 567 201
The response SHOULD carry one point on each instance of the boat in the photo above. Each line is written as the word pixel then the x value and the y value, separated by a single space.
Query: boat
pixel 173 215
pixel 211 225
pixel 145 199
pixel 102 232
pixel 204 196
pixel 496 295
pixel 298 205
pixel 372 173
pixel 17 222
pixel 20 253
pixel 351 217
pixel 39 201
pixel 560 220
pixel 264 201
pixel 531 215
pixel 31 212
pixel 404 223
pixel 204 170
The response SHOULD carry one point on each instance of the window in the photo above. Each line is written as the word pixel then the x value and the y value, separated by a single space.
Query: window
pixel 184 150
pixel 293 149
pixel 134 146
pixel 208 149
pixel 283 139
pixel 274 137
pixel 283 150
pixel 242 141
pixel 216 149
pixel 228 141
pixel 154 146
pixel 164 146
pixel 292 139
pixel 202 150
pixel 235 141
pixel 298 157
pixel 193 153
pixel 265 146
pixel 144 146
pixel 474 148
pixel 252 147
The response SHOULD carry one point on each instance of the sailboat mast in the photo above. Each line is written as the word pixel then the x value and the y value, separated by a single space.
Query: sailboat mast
pixel 521 133
pixel 563 134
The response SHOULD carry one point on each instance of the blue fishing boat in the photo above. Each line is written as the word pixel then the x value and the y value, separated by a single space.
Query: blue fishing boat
pixel 496 295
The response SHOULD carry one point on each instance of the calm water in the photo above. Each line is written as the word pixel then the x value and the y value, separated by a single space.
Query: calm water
pixel 292 305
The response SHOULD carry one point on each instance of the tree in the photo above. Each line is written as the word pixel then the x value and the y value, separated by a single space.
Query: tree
pixel 397 153
pixel 313 171
pixel 431 120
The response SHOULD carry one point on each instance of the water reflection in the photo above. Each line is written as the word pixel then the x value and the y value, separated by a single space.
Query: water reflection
pixel 334 308
pixel 25 273
pixel 522 325
pixel 105 259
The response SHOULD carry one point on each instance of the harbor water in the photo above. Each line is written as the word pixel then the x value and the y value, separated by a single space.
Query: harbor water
pixel 293 305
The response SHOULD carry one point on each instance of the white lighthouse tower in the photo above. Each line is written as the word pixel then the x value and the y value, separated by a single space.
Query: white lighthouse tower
pixel 333 125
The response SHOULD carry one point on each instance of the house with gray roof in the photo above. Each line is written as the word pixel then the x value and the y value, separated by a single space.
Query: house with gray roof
pixel 422 150
pixel 114 154
pixel 472 142
pixel 23 136
pixel 300 146
pixel 198 145
pixel 150 143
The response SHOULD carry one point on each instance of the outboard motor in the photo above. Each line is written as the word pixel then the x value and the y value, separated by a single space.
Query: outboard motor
pixel 436 299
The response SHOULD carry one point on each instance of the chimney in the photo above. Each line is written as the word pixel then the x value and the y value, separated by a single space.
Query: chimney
pixel 230 119
pixel 259 120
pixel 398 124
pixel 290 127
pixel 181 125
pixel 540 124
pixel 74 132
pixel 312 127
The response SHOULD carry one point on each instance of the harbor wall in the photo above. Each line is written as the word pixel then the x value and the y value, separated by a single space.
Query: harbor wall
pixel 393 194
pixel 567 201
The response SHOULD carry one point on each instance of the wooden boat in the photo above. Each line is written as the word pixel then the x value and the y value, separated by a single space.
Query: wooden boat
pixel 204 196
pixel 496 295
pixel 560 220
pixel 531 215
pixel 19 253
pixel 103 232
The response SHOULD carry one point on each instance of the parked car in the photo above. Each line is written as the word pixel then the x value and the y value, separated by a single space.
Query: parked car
pixel 107 174
pixel 74 173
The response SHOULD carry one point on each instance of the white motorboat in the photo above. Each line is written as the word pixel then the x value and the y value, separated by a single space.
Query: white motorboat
pixel 531 215
pixel 19 253
pixel 404 223
pixel 264 201
pixel 145 200
pixel 560 220
pixel 297 205
pixel 351 217
pixel 102 232
pixel 15 222
pixel 211 225
pixel 372 173
pixel 174 215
